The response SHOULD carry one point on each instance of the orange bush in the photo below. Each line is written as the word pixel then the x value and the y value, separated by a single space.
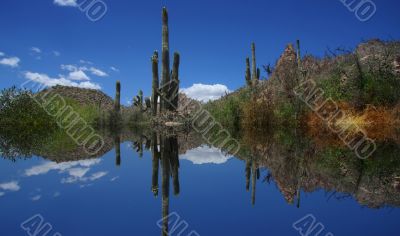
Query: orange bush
pixel 378 123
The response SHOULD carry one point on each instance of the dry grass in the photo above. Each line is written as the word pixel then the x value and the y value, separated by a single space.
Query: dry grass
pixel 378 123
pixel 256 115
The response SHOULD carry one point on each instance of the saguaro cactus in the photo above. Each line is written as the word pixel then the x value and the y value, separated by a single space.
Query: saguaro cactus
pixel 253 183
pixel 156 159
pixel 117 102
pixel 165 59
pixel 248 73
pixel 148 103
pixel 166 173
pixel 298 54
pixel 141 97
pixel 174 89
pixel 117 144
pixel 154 97
pixel 254 64
pixel 248 174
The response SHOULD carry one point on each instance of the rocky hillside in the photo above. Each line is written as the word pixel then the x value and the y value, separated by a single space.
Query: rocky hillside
pixel 84 96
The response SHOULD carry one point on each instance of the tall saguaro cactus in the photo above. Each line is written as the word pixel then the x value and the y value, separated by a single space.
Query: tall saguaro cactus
pixel 117 102
pixel 253 183
pixel 154 97
pixel 248 174
pixel 165 59
pixel 156 160
pixel 168 90
pixel 166 173
pixel 117 144
pixel 254 64
pixel 174 89
pixel 248 73
pixel 298 54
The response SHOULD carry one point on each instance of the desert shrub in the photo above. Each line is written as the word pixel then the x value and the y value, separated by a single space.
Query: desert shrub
pixel 381 89
pixel 285 113
pixel 333 89
pixel 229 110
pixel 18 109
pixel 257 115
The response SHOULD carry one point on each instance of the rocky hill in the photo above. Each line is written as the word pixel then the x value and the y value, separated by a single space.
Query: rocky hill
pixel 84 96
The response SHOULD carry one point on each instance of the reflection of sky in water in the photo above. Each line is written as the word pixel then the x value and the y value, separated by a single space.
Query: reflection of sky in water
pixel 75 172
pixel 205 155
pixel 96 197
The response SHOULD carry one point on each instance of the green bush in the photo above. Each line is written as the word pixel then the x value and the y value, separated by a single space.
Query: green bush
pixel 228 110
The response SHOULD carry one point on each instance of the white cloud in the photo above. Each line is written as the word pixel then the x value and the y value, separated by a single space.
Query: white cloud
pixel 92 70
pixel 10 186
pixel 56 53
pixel 36 50
pixel 97 175
pixel 114 178
pixel 50 82
pixel 56 194
pixel 98 72
pixel 74 179
pixel 85 62
pixel 66 3
pixel 69 67
pixel 2 54
pixel 76 170
pixel 204 92
pixel 61 167
pixel 205 155
pixel 11 61
pixel 36 198
pixel 2 194
pixel 78 75
pixel 115 69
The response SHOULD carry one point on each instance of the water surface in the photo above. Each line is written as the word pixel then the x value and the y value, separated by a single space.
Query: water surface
pixel 140 179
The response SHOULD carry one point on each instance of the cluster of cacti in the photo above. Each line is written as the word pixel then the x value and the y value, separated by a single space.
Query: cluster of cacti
pixel 138 100
pixel 254 172
pixel 143 105
pixel 253 76
pixel 138 146
pixel 168 90
pixel 165 151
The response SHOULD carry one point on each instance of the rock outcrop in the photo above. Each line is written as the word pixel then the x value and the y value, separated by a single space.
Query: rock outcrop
pixel 84 96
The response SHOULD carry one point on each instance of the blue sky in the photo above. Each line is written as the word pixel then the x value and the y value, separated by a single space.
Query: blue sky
pixel 212 36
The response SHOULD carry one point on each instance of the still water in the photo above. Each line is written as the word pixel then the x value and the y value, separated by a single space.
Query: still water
pixel 139 180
